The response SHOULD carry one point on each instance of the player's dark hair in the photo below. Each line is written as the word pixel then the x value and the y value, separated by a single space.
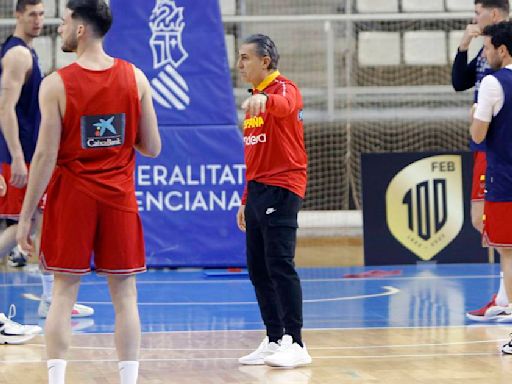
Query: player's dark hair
pixel 500 34
pixel 93 12
pixel 264 47
pixel 502 5
pixel 21 4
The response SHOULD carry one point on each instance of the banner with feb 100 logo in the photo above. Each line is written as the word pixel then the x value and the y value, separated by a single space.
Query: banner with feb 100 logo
pixel 188 197
pixel 416 208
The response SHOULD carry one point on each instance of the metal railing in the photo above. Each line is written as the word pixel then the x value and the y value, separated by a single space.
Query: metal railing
pixel 338 100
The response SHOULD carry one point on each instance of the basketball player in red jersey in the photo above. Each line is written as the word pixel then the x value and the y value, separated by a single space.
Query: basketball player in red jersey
pixel 94 114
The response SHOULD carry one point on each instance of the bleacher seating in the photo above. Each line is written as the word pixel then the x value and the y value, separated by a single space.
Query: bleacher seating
pixel 49 8
pixel 227 7
pixel 231 49
pixel 422 5
pixel 425 48
pixel 378 48
pixel 44 48
pixel 376 6
pixel 460 5
pixel 62 6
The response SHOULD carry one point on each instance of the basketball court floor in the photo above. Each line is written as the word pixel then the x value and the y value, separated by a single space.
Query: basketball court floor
pixel 362 325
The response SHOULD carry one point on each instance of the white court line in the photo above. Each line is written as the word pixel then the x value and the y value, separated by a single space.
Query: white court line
pixel 246 281
pixel 340 357
pixel 262 330
pixel 365 347
pixel 388 290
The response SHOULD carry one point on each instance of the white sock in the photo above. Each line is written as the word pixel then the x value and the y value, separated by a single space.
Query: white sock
pixel 501 297
pixel 47 281
pixel 56 371
pixel 128 371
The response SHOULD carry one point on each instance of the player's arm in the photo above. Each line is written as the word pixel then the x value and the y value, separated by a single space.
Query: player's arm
pixel 281 103
pixel 15 66
pixel 3 186
pixel 45 157
pixel 240 215
pixel 478 130
pixel 148 137
pixel 490 98
pixel 463 74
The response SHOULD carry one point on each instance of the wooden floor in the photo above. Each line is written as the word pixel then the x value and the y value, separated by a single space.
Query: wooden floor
pixel 316 252
pixel 330 251
pixel 385 356
pixel 437 355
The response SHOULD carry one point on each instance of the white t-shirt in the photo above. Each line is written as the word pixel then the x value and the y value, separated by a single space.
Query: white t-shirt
pixel 490 98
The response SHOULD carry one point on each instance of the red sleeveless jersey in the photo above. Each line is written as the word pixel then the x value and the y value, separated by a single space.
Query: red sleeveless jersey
pixel 99 131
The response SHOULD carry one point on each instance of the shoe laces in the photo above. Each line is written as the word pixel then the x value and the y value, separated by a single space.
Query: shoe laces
pixel 10 315
pixel 285 344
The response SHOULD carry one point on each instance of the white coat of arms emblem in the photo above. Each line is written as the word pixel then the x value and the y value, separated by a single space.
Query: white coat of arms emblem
pixel 169 88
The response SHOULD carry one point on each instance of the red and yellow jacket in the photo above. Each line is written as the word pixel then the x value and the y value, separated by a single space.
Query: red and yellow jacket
pixel 274 141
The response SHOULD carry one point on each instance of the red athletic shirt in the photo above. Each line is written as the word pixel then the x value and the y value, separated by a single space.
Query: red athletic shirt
pixel 274 141
pixel 99 130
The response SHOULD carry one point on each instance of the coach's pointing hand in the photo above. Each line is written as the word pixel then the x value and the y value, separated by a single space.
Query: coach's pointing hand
pixel 255 104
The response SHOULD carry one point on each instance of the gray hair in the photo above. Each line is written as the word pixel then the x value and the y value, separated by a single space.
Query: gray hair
pixel 264 47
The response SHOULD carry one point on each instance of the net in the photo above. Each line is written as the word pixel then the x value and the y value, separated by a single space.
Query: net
pixel 370 83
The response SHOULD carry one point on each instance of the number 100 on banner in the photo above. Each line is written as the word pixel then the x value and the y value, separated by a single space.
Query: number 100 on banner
pixel 425 206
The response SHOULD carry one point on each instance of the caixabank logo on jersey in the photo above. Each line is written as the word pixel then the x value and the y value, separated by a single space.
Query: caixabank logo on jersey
pixel 102 131
pixel 424 204
pixel 169 88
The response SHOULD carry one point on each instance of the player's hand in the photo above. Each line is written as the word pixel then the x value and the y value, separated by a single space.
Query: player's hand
pixel 3 186
pixel 255 104
pixel 472 31
pixel 23 237
pixel 240 218
pixel 19 173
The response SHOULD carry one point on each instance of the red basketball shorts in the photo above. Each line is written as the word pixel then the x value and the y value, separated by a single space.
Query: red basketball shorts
pixel 497 228
pixel 76 225
pixel 479 167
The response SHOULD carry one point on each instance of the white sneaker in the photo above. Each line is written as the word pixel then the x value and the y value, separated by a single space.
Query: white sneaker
pixel 17 258
pixel 12 332
pixel 289 355
pixel 258 356
pixel 80 324
pixel 79 310
pixel 491 312
pixel 507 348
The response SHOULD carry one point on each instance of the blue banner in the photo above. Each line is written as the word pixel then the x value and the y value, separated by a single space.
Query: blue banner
pixel 180 47
pixel 188 197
